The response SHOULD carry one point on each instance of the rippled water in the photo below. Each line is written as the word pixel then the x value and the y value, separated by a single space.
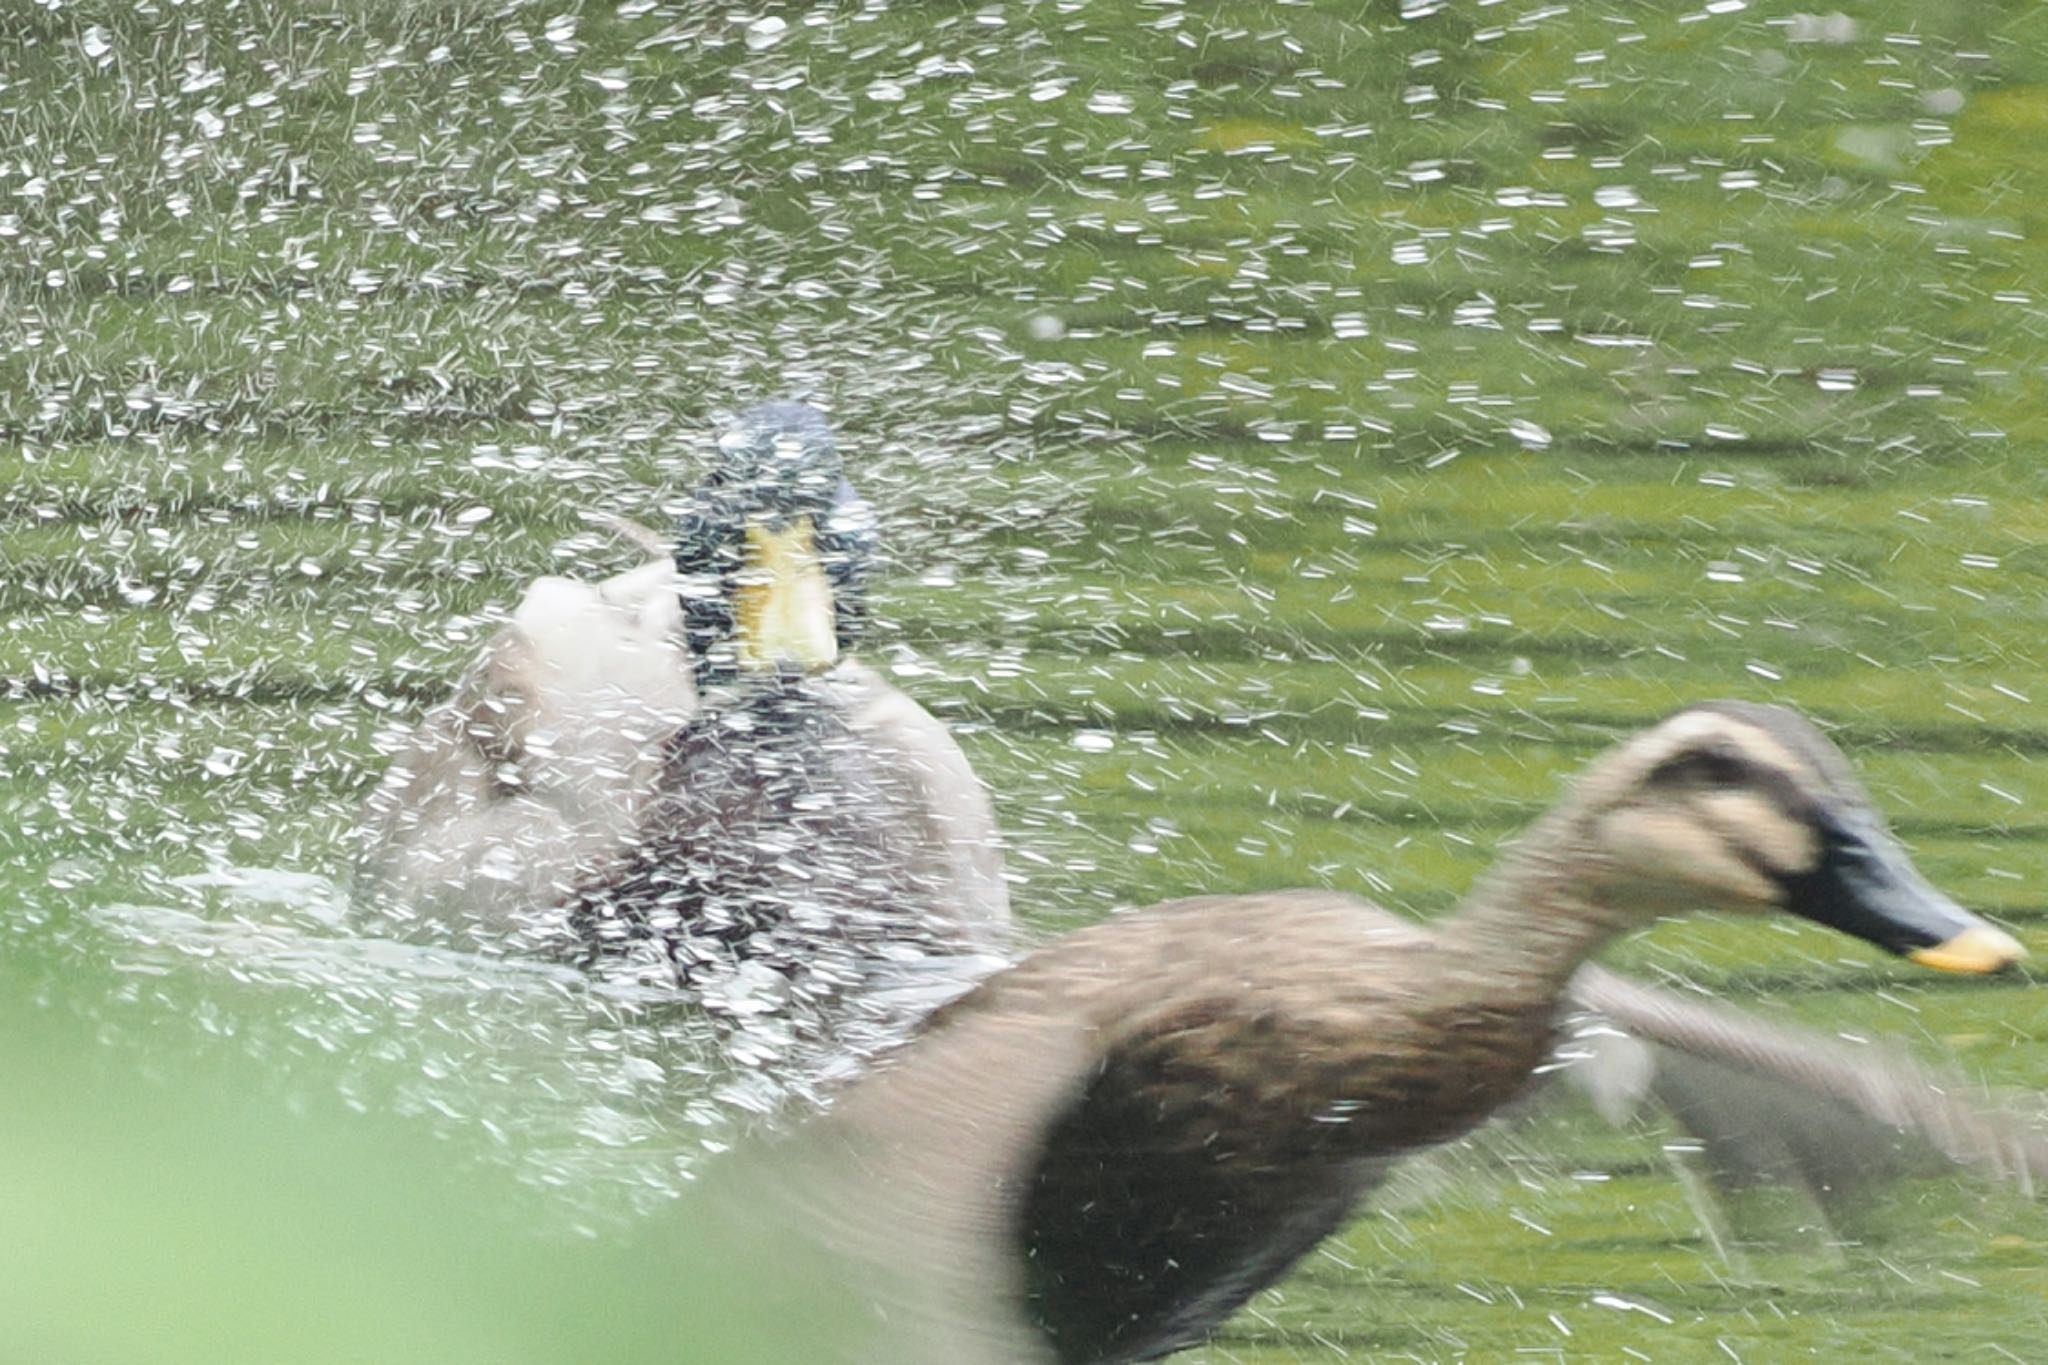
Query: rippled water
pixel 611 1087
pixel 1304 433
pixel 573 1080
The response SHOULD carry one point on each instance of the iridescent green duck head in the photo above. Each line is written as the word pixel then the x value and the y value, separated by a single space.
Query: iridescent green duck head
pixel 773 550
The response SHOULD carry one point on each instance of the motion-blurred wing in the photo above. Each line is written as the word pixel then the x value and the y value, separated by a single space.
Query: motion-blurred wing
pixel 913 1182
pixel 1779 1105
pixel 538 765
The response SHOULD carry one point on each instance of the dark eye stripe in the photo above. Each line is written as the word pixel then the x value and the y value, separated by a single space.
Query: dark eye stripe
pixel 1791 800
pixel 1713 766
pixel 1727 766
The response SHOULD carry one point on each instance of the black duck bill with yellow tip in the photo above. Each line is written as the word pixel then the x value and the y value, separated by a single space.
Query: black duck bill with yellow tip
pixel 1864 886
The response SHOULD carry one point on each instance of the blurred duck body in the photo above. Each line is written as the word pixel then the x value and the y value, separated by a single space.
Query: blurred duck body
pixel 1104 1151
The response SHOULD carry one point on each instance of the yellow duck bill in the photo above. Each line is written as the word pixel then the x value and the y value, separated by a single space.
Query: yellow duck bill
pixel 783 601
pixel 1978 949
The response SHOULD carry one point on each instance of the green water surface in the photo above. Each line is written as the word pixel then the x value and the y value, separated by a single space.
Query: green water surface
pixel 1307 433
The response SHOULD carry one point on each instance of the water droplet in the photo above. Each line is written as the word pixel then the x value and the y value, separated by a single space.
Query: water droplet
pixel 1833 29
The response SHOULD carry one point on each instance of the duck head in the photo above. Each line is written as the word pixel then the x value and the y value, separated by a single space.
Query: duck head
pixel 773 550
pixel 1737 806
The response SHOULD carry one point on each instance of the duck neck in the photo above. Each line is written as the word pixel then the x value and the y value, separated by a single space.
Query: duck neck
pixel 1530 923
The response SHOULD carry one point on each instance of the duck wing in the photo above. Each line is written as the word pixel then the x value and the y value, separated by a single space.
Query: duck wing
pixel 953 841
pixel 1775 1104
pixel 537 765
pixel 1003 1192
pixel 1103 1149
pixel 912 1181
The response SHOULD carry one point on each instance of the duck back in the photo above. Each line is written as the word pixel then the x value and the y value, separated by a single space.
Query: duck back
pixel 775 870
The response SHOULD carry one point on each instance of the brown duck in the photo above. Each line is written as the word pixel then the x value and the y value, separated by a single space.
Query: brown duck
pixel 1100 1153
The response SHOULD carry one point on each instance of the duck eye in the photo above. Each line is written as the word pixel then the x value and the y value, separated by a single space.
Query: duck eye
pixel 1723 769
pixel 1705 768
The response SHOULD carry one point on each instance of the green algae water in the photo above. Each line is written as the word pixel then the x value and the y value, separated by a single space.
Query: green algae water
pixel 1305 434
